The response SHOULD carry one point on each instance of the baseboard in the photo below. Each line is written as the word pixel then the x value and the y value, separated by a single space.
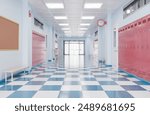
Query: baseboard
pixel 130 74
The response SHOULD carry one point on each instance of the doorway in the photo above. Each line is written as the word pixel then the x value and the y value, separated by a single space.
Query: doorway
pixel 74 54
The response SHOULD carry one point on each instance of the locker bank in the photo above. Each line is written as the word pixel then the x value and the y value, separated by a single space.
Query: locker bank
pixel 74 48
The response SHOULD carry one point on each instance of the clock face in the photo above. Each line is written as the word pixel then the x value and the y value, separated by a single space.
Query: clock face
pixel 101 22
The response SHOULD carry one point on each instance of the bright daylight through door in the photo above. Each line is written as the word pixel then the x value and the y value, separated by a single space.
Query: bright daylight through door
pixel 74 54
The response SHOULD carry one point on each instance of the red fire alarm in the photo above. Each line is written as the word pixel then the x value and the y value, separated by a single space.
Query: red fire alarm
pixel 30 13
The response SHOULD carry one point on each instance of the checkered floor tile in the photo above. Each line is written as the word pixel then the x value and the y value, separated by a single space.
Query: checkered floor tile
pixel 47 82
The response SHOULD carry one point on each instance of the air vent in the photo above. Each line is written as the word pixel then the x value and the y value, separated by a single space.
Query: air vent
pixel 38 23
pixel 139 23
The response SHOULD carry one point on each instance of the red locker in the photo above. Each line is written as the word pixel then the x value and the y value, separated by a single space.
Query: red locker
pixel 38 48
pixel 134 47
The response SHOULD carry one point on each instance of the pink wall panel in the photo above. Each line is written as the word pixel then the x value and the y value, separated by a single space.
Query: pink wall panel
pixel 38 49
pixel 134 47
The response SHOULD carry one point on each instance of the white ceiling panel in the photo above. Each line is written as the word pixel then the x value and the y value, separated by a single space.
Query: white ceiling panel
pixel 74 10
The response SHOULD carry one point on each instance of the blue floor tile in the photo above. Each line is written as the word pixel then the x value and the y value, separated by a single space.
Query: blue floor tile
pixel 120 79
pixel 71 83
pixel 35 83
pixel 70 94
pixel 23 79
pixel 132 87
pixel 56 79
pixel 22 94
pixel 107 83
pixel 88 79
pixel 51 87
pixel 118 94
pixel 10 87
pixel 142 82
pixel 92 87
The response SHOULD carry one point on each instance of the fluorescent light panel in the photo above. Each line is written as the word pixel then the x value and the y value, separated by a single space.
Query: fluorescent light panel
pixel 83 28
pixel 84 24
pixel 65 28
pixel 55 5
pixel 67 32
pixel 64 24
pixel 87 17
pixel 60 17
pixel 93 5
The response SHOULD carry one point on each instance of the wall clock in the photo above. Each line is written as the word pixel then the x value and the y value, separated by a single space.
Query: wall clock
pixel 101 22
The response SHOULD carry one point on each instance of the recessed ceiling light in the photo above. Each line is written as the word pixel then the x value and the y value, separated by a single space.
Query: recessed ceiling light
pixel 83 28
pixel 84 24
pixel 67 32
pixel 64 24
pixel 60 17
pixel 65 28
pixel 55 5
pixel 87 17
pixel 82 32
pixel 93 5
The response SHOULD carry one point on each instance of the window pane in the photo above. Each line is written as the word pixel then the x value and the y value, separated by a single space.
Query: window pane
pixel 66 48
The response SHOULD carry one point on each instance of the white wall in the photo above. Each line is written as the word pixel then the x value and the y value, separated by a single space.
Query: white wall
pixel 47 31
pixel 17 11
pixel 11 9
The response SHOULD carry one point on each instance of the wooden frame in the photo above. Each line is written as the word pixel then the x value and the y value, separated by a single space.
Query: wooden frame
pixel 9 34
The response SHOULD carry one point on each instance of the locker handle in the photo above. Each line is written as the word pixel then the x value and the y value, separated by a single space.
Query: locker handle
pixel 144 21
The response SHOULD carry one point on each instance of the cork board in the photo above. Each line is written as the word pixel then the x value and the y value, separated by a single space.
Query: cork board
pixel 9 34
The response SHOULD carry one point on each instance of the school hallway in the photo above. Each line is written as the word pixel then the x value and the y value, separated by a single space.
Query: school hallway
pixel 74 49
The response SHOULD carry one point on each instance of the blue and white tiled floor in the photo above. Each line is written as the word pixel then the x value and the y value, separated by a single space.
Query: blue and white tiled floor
pixel 75 83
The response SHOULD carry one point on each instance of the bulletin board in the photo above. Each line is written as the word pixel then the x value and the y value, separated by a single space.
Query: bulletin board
pixel 9 34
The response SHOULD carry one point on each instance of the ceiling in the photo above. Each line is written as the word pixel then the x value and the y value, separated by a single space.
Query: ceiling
pixel 74 10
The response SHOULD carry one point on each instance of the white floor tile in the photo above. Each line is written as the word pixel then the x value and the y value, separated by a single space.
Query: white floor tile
pixel 104 79
pixel 147 87
pixel 46 94
pixel 39 79
pixel 94 94
pixel 72 79
pixel 30 88
pixel 53 83
pixel 17 83
pixel 140 94
pixel 116 76
pixel 71 88
pixel 133 79
pixel 29 76
pixel 87 76
pixel 99 74
pixel 58 76
pixel 4 94
pixel 89 83
pixel 46 74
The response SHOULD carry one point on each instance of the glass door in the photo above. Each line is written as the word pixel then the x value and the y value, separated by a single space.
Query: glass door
pixel 74 54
